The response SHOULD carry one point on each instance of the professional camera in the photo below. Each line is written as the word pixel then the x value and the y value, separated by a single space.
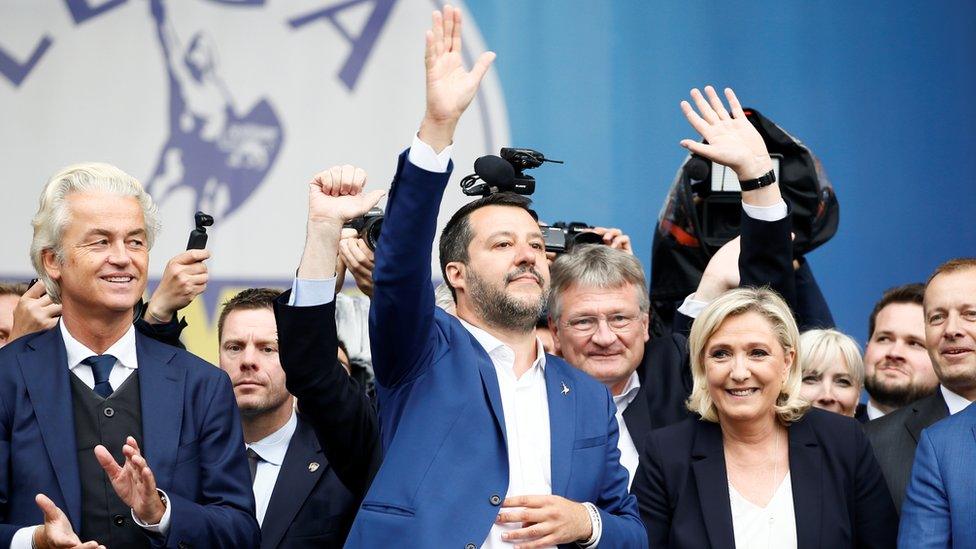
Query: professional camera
pixel 369 226
pixel 494 174
pixel 562 237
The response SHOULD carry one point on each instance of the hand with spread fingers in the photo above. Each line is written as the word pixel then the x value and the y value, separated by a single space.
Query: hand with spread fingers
pixel 35 311
pixel 450 88
pixel 732 139
pixel 546 521
pixel 56 532
pixel 133 482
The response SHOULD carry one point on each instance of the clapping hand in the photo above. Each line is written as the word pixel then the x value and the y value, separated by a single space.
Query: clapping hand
pixel 56 532
pixel 133 482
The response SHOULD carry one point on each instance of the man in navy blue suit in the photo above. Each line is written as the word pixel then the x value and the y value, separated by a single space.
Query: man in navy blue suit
pixel 488 441
pixel 940 502
pixel 79 398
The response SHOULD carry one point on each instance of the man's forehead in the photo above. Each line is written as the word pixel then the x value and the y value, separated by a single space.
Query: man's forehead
pixel 106 209
pixel 579 296
pixel 952 286
pixel 257 322
pixel 496 219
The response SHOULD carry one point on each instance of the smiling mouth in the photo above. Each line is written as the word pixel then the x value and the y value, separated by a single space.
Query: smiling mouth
pixel 742 393
pixel 118 279
pixel 955 351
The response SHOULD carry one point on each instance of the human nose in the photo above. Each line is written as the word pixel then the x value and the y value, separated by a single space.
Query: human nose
pixel 249 358
pixel 119 255
pixel 740 370
pixel 603 335
pixel 896 350
pixel 951 328
pixel 526 254
pixel 826 394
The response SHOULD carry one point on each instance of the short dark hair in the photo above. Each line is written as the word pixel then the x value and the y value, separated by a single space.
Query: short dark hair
pixel 953 265
pixel 13 288
pixel 457 235
pixel 908 293
pixel 250 299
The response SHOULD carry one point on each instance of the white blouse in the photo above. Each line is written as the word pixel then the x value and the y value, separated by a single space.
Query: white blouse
pixel 769 527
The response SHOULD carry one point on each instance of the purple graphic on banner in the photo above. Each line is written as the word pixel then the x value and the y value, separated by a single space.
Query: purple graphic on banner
pixel 17 72
pixel 212 150
pixel 82 10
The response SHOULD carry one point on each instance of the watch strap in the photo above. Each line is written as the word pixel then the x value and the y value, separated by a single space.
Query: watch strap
pixel 764 180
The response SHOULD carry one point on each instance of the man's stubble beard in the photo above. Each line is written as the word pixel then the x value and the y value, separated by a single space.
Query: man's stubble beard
pixel 501 310
pixel 898 396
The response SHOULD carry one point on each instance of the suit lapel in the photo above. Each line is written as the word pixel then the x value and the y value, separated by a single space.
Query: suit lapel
pixel 712 482
pixel 45 372
pixel 295 482
pixel 489 379
pixel 926 412
pixel 161 385
pixel 805 474
pixel 561 396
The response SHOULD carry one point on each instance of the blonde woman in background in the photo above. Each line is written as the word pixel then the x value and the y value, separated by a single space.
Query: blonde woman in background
pixel 833 372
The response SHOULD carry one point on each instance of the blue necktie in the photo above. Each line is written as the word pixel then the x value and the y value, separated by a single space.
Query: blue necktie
pixel 101 366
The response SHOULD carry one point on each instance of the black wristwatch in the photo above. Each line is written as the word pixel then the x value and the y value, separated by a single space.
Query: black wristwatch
pixel 764 180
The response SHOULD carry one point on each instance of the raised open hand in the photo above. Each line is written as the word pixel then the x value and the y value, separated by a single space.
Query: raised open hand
pixel 732 140
pixel 56 532
pixel 336 195
pixel 133 482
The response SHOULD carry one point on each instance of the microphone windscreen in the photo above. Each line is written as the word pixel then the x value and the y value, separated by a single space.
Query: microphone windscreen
pixel 697 168
pixel 494 170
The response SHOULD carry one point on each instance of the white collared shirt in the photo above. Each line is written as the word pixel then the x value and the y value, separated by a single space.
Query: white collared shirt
pixel 955 402
pixel 525 406
pixel 873 411
pixel 769 527
pixel 625 443
pixel 272 450
pixel 127 361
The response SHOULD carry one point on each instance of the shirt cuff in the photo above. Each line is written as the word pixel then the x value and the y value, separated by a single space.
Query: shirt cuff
pixel 163 525
pixel 766 213
pixel 691 307
pixel 23 538
pixel 423 156
pixel 596 522
pixel 306 292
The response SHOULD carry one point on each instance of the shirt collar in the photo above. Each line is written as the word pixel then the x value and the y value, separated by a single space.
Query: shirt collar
pixel 124 350
pixel 629 393
pixel 492 345
pixel 873 411
pixel 273 447
pixel 955 402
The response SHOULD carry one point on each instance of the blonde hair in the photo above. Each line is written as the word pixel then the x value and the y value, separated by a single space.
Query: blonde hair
pixel 789 406
pixel 53 213
pixel 820 347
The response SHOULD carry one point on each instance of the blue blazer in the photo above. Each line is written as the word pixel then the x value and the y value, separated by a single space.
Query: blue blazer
pixel 445 469
pixel 192 440
pixel 940 504
pixel 840 498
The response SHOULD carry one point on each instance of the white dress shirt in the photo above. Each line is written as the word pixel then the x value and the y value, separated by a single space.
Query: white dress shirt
pixel 873 411
pixel 127 361
pixel 628 450
pixel 955 402
pixel 769 527
pixel 272 450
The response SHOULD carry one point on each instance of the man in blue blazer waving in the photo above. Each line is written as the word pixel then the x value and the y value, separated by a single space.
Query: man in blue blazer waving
pixel 489 442
pixel 108 437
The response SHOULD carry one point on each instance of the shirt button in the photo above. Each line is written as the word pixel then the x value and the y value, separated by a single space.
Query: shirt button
pixel 119 520
pixel 109 412
pixel 470 546
pixel 495 500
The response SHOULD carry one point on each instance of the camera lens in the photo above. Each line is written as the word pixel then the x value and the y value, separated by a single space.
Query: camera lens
pixel 371 232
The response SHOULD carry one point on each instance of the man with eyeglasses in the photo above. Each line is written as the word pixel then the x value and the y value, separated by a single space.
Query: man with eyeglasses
pixel 599 306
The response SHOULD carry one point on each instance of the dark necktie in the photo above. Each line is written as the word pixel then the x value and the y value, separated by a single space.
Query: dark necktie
pixel 252 462
pixel 101 366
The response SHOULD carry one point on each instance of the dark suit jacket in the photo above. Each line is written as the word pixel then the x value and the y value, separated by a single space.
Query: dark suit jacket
pixel 445 468
pixel 839 496
pixel 192 441
pixel 895 436
pixel 309 507
pixel 766 259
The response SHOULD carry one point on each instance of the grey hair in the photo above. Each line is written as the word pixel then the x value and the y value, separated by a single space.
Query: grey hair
pixel 53 214
pixel 789 406
pixel 595 266
pixel 822 346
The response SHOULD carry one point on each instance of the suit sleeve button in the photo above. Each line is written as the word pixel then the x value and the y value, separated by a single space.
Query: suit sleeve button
pixel 495 500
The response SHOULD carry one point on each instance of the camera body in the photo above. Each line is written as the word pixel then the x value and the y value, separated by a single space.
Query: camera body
pixel 198 236
pixel 562 237
pixel 369 226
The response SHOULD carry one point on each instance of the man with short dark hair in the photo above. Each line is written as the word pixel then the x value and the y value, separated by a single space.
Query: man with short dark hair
pixel 10 293
pixel 948 317
pixel 897 367
pixel 488 441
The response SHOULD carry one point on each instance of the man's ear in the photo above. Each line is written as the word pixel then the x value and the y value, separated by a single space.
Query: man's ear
pixel 51 264
pixel 455 272
pixel 646 325
pixel 554 330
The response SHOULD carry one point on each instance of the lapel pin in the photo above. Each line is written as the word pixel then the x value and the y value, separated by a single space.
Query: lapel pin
pixel 565 390
pixel 312 467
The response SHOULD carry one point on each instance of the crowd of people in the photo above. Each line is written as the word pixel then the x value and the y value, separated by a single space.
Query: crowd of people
pixel 522 403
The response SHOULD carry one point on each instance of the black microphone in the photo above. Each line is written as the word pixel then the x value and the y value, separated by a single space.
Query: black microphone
pixel 494 171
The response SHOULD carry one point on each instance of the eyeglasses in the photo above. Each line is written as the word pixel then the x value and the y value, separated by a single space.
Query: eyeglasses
pixel 587 325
